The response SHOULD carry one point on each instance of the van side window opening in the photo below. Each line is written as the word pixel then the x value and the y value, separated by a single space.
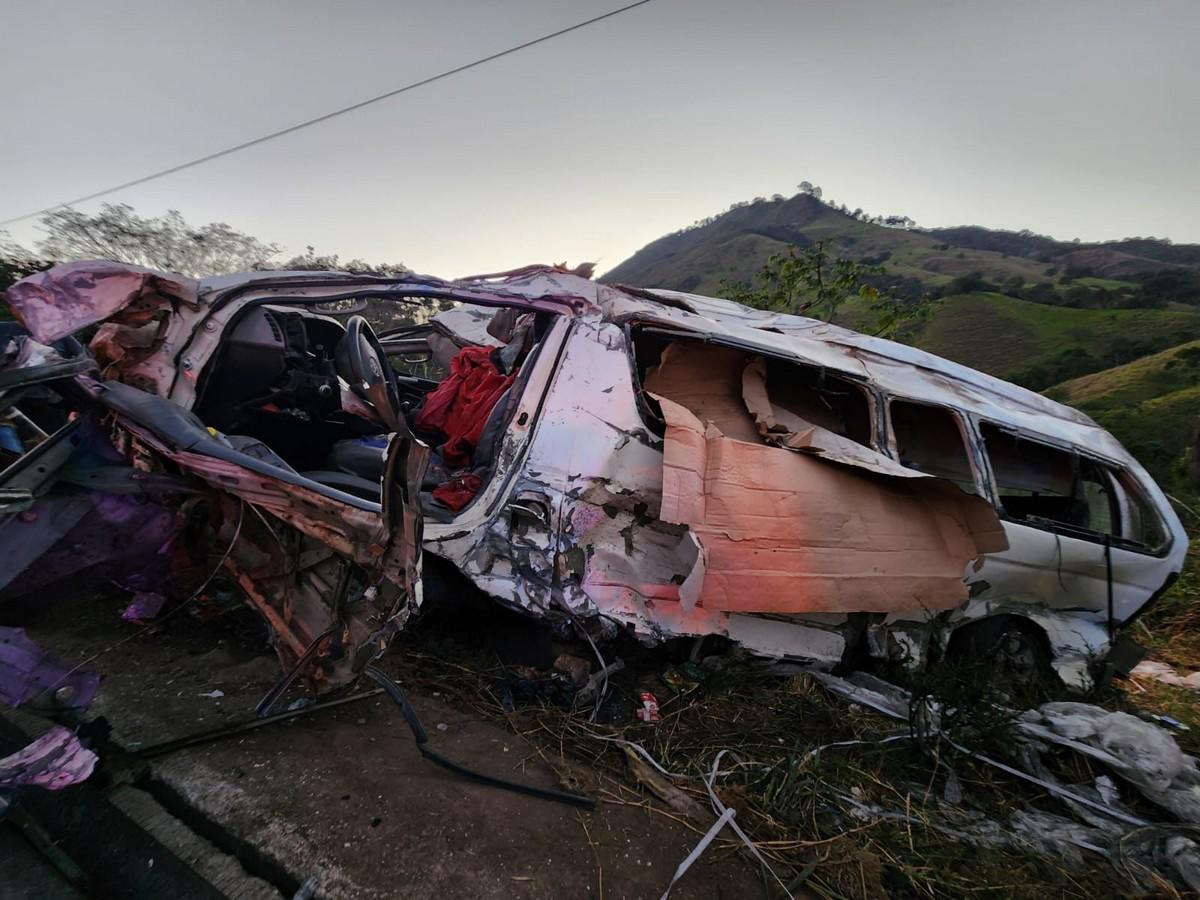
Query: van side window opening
pixel 822 398
pixel 929 439
pixel 1040 484
pixel 818 396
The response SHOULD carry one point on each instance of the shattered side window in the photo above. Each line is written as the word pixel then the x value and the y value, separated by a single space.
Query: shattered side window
pixel 1139 521
pixel 1040 485
pixel 821 398
pixel 930 440
pixel 712 380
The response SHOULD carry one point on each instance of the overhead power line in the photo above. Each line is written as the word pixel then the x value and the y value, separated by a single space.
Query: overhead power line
pixel 327 116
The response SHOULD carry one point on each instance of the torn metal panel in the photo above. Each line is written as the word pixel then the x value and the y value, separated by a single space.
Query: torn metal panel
pixel 784 428
pixel 71 296
pixel 708 380
pixel 786 532
pixel 292 574
pixel 27 672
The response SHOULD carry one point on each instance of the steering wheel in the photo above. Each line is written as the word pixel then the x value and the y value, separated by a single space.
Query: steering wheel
pixel 361 361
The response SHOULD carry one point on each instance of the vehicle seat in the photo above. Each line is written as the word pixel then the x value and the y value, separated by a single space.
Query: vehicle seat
pixel 361 456
pixel 493 431
pixel 355 465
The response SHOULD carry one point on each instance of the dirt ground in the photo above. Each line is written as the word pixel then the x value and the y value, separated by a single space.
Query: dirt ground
pixel 344 795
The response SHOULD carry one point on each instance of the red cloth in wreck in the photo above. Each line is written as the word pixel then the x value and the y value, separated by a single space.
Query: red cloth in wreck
pixel 460 405
pixel 458 492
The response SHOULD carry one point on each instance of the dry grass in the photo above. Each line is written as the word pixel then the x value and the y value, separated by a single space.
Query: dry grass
pixel 802 809
pixel 864 820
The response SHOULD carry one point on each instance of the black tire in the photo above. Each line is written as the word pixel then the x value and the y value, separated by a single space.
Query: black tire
pixel 1009 648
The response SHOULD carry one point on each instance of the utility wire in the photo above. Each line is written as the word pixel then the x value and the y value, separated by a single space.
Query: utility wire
pixel 327 116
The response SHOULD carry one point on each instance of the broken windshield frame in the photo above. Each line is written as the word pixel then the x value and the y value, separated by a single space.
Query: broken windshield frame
pixel 556 333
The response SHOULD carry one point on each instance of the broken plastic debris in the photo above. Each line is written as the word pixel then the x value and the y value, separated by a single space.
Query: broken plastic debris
pixel 54 761
pixel 1162 672
pixel 144 606
pixel 26 670
pixel 574 666
pixel 648 709
pixel 1142 753
pixel 213 694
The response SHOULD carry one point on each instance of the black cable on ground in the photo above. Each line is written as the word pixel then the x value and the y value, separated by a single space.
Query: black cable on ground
pixel 224 731
pixel 410 716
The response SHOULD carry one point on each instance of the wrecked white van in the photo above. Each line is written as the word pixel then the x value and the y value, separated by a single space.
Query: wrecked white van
pixel 596 456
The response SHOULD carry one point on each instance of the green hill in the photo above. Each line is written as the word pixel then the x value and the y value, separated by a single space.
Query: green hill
pixel 1039 345
pixel 1152 405
pixel 734 245
pixel 1176 369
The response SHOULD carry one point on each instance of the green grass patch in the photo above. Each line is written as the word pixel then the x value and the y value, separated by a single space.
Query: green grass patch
pixel 1177 368
pixel 1106 284
pixel 1024 341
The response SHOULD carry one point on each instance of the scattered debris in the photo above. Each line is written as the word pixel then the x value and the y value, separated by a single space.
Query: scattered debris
pixel 647 710
pixel 660 785
pixel 577 668
pixel 53 761
pixel 30 674
pixel 1158 671
pixel 144 607
pixel 1140 752
pixel 410 716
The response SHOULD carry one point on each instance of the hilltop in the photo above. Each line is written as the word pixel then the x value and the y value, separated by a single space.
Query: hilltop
pixel 734 244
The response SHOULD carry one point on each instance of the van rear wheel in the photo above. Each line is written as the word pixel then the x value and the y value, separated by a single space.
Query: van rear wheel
pixel 1005 647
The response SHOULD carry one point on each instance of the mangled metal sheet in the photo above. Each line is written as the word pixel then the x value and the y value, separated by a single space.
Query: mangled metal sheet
pixel 788 532
pixel 27 672
pixel 755 518
pixel 62 300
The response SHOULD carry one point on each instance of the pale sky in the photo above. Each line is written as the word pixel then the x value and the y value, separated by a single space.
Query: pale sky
pixel 1076 118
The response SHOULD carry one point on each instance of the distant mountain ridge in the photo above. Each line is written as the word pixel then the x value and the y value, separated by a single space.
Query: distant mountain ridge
pixel 734 244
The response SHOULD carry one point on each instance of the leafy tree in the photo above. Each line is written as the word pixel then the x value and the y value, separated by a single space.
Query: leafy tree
pixel 310 261
pixel 1013 284
pixel 810 281
pixel 165 242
